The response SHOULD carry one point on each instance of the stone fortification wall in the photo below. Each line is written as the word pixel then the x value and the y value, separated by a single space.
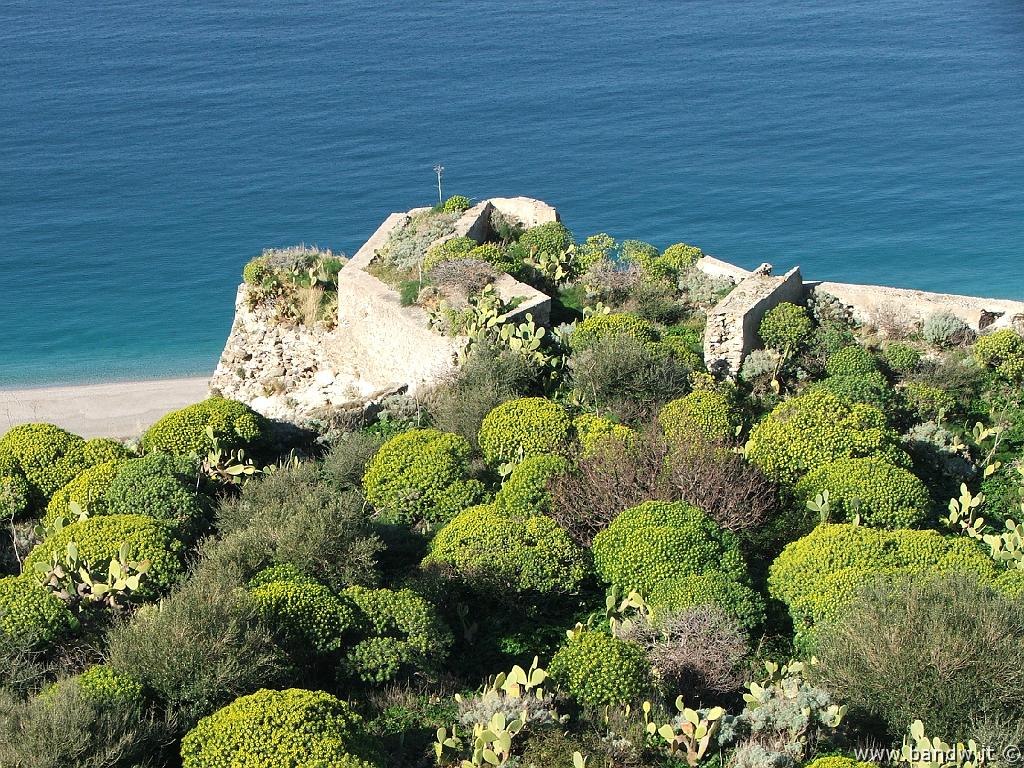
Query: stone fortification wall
pixel 731 331
pixel 378 346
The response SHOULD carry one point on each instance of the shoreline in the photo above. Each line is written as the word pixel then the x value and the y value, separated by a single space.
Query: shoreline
pixel 122 409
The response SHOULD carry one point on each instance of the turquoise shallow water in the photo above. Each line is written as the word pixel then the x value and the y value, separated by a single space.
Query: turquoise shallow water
pixel 147 150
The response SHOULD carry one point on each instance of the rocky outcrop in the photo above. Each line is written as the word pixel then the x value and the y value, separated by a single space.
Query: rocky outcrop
pixel 377 347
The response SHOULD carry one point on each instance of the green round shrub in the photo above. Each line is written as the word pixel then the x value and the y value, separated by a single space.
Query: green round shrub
pixel 163 487
pixel 183 432
pixel 109 688
pixel 883 495
pixel 867 388
pixel 456 204
pixel 806 432
pixel 550 237
pixel 524 427
pixel 702 415
pixel 902 358
pixel 678 348
pixel 452 249
pixel 256 271
pixel 14 490
pixel 735 598
pixel 680 256
pixel 639 253
pixel 1011 583
pixel 786 327
pixel 30 614
pixel 597 328
pixel 531 555
pixel 421 476
pixel 600 670
pixel 37 450
pixel 851 361
pixel 269 729
pixel 525 492
pixel 659 540
pixel 594 431
pixel 402 635
pixel 839 762
pixel 927 403
pixel 100 450
pixel 100 538
pixel 307 617
pixel 88 490
pixel 818 575
pixel 1003 352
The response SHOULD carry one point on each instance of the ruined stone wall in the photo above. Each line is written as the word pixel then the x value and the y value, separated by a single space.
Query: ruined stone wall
pixel 731 331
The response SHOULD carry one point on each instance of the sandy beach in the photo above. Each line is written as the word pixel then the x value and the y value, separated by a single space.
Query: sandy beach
pixel 120 410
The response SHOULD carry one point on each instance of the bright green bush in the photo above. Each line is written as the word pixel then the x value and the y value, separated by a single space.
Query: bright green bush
pixel 639 253
pixel 681 255
pixel 524 427
pixel 99 450
pixel 600 327
pixel 524 555
pixel 160 486
pixel 658 540
pixel 452 249
pixel 402 634
pixel 786 327
pixel 421 476
pixel 926 402
pixel 31 615
pixel 307 617
pixel 735 598
pixel 888 496
pixel 271 729
pixel 867 388
pixel 806 432
pixel 681 350
pixel 902 358
pixel 818 575
pixel 14 491
pixel 550 237
pixel 37 450
pixel 99 538
pixel 256 271
pixel 593 431
pixel 110 688
pixel 525 492
pixel 851 361
pixel 839 762
pixel 1011 583
pixel 456 204
pixel 1003 352
pixel 88 490
pixel 601 670
pixel 183 432
pixel 704 414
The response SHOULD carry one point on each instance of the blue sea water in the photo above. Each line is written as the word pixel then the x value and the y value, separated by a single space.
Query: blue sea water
pixel 148 149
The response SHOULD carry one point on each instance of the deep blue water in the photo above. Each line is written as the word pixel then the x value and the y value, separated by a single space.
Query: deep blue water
pixel 147 149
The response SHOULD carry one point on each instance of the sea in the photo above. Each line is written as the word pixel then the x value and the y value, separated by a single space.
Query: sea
pixel 149 149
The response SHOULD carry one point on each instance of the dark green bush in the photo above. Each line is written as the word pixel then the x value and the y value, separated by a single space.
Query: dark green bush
pixel 598 670
pixel 883 495
pixel 901 358
pixel 276 728
pixel 183 432
pixel 200 649
pixel 786 327
pixel 943 649
pixel 421 476
pixel 163 487
pixel 524 427
pixel 927 403
pixel 15 495
pixel 660 540
pixel 867 388
pixel 99 538
pixel 523 555
pixel 402 635
pixel 806 432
